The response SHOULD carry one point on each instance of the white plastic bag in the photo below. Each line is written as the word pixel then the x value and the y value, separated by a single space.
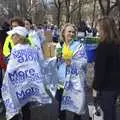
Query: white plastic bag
pixel 74 93
pixel 73 101
pixel 95 112
pixel 73 96
pixel 23 81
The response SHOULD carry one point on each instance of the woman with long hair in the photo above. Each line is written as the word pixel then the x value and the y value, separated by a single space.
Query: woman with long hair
pixel 107 67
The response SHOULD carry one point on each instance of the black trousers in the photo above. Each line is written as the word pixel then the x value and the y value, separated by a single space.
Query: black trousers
pixel 1 79
pixel 107 101
pixel 26 113
pixel 62 114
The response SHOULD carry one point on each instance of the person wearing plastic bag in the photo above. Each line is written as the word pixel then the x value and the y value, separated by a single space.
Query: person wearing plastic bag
pixel 33 37
pixel 23 81
pixel 107 67
pixel 8 44
pixel 71 64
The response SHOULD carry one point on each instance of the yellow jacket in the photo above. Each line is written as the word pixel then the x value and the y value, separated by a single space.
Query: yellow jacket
pixel 8 45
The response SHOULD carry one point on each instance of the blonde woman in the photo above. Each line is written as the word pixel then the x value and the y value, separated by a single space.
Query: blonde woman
pixel 71 61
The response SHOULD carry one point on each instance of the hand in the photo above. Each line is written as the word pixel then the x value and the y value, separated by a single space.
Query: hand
pixel 59 56
pixel 59 52
pixel 94 93
pixel 68 61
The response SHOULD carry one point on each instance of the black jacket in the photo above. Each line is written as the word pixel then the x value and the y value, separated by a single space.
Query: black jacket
pixel 107 67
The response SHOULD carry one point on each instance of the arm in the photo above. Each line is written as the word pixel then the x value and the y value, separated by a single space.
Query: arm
pixel 6 47
pixel 80 61
pixel 36 43
pixel 80 56
pixel 2 63
pixel 100 65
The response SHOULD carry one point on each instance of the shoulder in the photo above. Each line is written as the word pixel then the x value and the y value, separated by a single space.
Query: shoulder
pixel 21 47
pixel 105 49
pixel 77 43
pixel 32 32
pixel 104 46
pixel 8 38
pixel 60 44
pixel 18 49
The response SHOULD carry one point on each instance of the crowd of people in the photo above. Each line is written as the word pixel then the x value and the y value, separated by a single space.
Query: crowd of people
pixel 24 81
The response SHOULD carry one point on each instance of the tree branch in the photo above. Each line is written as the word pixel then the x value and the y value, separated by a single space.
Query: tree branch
pixel 102 7
pixel 31 7
pixel 108 7
pixel 55 2
pixel 44 5
pixel 59 3
pixel 114 5
pixel 75 8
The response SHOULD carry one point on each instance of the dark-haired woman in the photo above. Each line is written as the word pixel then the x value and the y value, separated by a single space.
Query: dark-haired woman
pixel 107 67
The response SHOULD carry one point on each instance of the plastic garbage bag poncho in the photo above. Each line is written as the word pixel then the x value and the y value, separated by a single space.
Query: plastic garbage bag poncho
pixel 74 77
pixel 24 80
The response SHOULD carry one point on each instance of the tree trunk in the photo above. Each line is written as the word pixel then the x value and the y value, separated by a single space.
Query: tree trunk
pixel 58 16
pixel 105 10
pixel 118 5
pixel 94 10
pixel 68 17
pixel 102 7
pixel 79 12
pixel 67 2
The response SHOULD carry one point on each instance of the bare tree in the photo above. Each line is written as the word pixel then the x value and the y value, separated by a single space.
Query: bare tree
pixel 118 9
pixel 94 11
pixel 106 6
pixel 74 7
pixel 79 14
pixel 67 5
pixel 58 5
